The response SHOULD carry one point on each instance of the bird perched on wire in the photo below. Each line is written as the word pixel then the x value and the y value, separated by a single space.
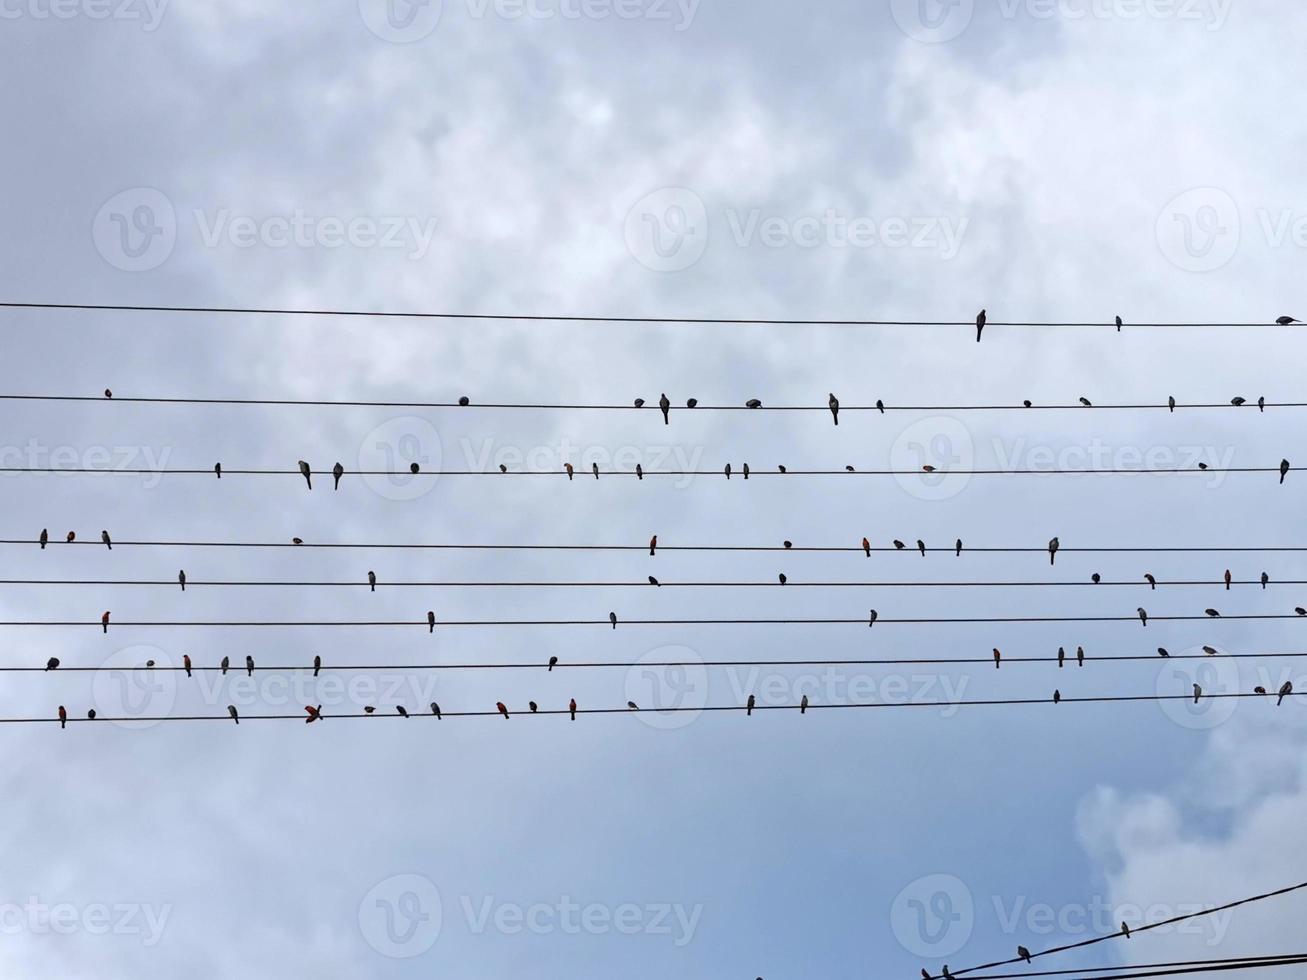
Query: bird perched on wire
pixel 181 579
pixel 1261 403
pixel 632 706
pixel 45 537
pixel 654 581
pixel 1152 582
pixel 1057 697
pixel 594 468
pixel 225 665
pixel 1086 402
pixel 1119 324
pixel 568 468
pixel 186 663
pixel 665 404
pixel 639 403
pixel 431 621
pixel 571 708
pixel 1285 691
pixel 104 536
pixel 899 545
pixel 63 717
pixel 1227 580
pixel 52 663
pixel 1170 403
pixel 753 403
pixel 1265 579
pixel 104 621
pixel 692 403
pixel 249 666
pixel 72 536
pixel 1080 656
pixel 1212 613
pixel 1061 657
pixel 612 618
pixel 1198 693
pixel 306 473
pixel 834 404
pixel 1238 401
pixel 314 713
pixel 1163 652
pixel 783 579
pixel 1284 321
pixel 871 621
pixel 749 707
pixel 1053 545
pixel 337 472
pixel 653 546
pixel 435 710
pixel 728 471
pixel 553 662
pixel 235 715
pixel 957 553
pixel 746 470
pixel 803 705
pixel 1096 578
pixel 998 658
pixel 1284 470
pixel 866 547
pixel 1143 615
pixel 639 471
pixel 1210 651
pixel 402 711
pixel 217 470
pixel 981 319
pixel 372 581
pixel 921 546
pixel 502 708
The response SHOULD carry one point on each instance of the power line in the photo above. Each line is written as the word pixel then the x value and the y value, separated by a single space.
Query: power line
pixel 648 408
pixel 1278 893
pixel 1113 972
pixel 707 709
pixel 559 318
pixel 609 624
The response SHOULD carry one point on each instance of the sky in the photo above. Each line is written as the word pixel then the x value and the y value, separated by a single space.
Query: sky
pixel 1048 160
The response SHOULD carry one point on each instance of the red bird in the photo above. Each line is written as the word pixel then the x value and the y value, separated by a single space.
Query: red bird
pixel 63 716
pixel 104 621
pixel 186 662
pixel 314 713
pixel 503 710
pixel 653 545
pixel 572 708
pixel 866 547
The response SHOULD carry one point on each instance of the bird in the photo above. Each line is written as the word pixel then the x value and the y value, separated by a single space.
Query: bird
pixel 1163 652
pixel 1023 953
pixel 1212 613
pixel 594 468
pixel 297 541
pixel 746 471
pixel 749 707
pixel 108 393
pixel 692 403
pixel 1210 651
pixel 654 581
pixel 753 403
pixel 571 708
pixel 1086 402
pixel 90 714
pixel 871 621
pixel 866 547
pixel 921 546
pixel 1061 657
pixel 958 548
pixel 1198 693
pixel 568 468
pixel 1285 691
pixel 217 470
pixel 431 621
pixel 1227 580
pixel 1080 656
pixel 899 545
pixel 1265 579
pixel 306 473
pixel 369 709
pixel 666 406
pixel 1143 615
pixel 104 536
pixel 612 618
pixel 803 705
pixel 249 666
pixel 235 716
pixel 998 658
pixel 435 710
pixel 1170 403
pixel 533 706
pixel 639 403
pixel 834 408
pixel 52 663
pixel 313 713
pixel 849 469
pixel 226 664
pixel 186 663
pixel 104 621
pixel 1300 610
pixel 782 469
pixel 1238 401
pixel 1096 578
pixel 337 472
pixel 1053 545
pixel 72 536
pixel 1259 690
pixel 639 471
pixel 653 546
pixel 783 579
pixel 503 468
pixel 787 545
pixel 1152 582
pixel 45 537
pixel 1119 324
pixel 880 406
pixel 63 717
pixel 464 401
pixel 727 471
pixel 632 706
pixel 1284 470
pixel 502 708
pixel 372 581
pixel 1261 403
pixel 414 467
pixel 1284 321
pixel 553 662
pixel 1057 697
pixel 981 319
pixel 1028 403
pixel 181 579
pixel 1125 930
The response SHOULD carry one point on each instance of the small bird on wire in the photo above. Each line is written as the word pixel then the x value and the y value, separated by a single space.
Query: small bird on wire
pixel 235 715
pixel 45 537
pixel 834 404
pixel 1163 652
pixel 866 547
pixel 1119 324
pixel 665 404
pixel 435 710
pixel 1198 693
pixel 750 706
pixel 225 665
pixel 1152 582
pixel 1284 321
pixel 52 663
pixel 186 663
pixel 921 546
pixel 181 579
pixel 502 708
pixel 1086 402
pixel 104 621
pixel 1061 657
pixel 1265 579
pixel 314 713
pixel 553 662
pixel 1080 656
pixel 1284 470
pixel 568 468
pixel 1053 545
pixel 372 581
pixel 317 665
pixel 998 658
pixel 803 705
pixel 104 536
pixel 571 708
pixel 63 717
pixel 1170 403
pixel 981 319
pixel 431 621
pixel 753 403
pixel 1143 615
pixel 653 546
pixel 1227 580
pixel 1057 697
pixel 1285 691
pixel 249 666
pixel 1214 614
pixel 337 472
pixel 692 403
pixel 612 618
pixel 306 473
pixel 217 470
pixel 594 468
pixel 72 536
pixel 871 621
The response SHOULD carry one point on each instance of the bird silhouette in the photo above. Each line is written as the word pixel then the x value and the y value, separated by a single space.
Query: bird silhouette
pixel 337 472
pixel 981 319
pixel 72 536
pixel 1163 652
pixel 1238 401
pixel 1152 582
pixel 921 546
pixel 568 468
pixel 186 663
pixel 431 621
pixel 1125 930
pixel 104 536
pixel 866 547
pixel 533 706
pixel 63 717
pixel 1061 657
pixel 1259 690
pixel 296 540
pixel 783 579
pixel 217 470
pixel 314 713
pixel 1198 693
pixel 372 581
pixel 899 545
pixel 1300 610
pixel 1210 651
pixel 90 714
pixel 249 666
pixel 692 403
pixel 1212 613
pixel 654 581
pixel 639 471
pixel 104 621
pixel 632 706
pixel 1143 615
pixel 639 403
pixel 1080 656
pixel 728 471
pixel 746 470
pixel 1119 324
pixel 1028 403
pixel 1285 691
pixel 235 716
pixel 369 709
pixel 435 710
pixel 52 663
pixel 612 618
pixel 1086 402
pixel 782 469
pixel 1284 321
pixel 181 579
pixel 958 549
pixel 1261 403
pixel 306 473
pixel 502 708
pixel 787 545
pixel 1053 545
pixel 45 537
pixel 571 708
pixel 998 658
pixel 553 662
pixel 1170 403
pixel 414 467
pixel 226 665
pixel 1096 578
pixel 871 621
pixel 653 546
pixel 594 468
pixel 753 403
pixel 1284 470
pixel 1057 697
pixel 1227 580
pixel 665 404
pixel 1265 579
pixel 834 408
pixel 749 707
pixel 880 406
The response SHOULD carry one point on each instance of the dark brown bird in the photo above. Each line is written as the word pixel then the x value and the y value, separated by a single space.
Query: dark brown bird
pixel 63 716
pixel 502 708
pixel 72 536
pixel 431 621
pixel 653 546
pixel 568 468
pixel 998 658
pixel 45 537
pixel 104 536
pixel 52 663
pixel 337 472
pixel 834 408
pixel 631 705
pixel 296 540
pixel 981 319
pixel 1061 657
pixel 181 579
pixel 533 706
pixel 306 473
pixel 314 713
pixel 1213 613
pixel 372 581
pixel 753 403
pixel 612 618
pixel 665 404
pixel 249 666
pixel 866 547
pixel 749 707
pixel 435 710
pixel 1227 580
pixel 104 621
pixel 783 579
pixel 1163 652
pixel 639 471
pixel 186 663
pixel 1053 545
pixel 226 665
pixel 1285 691
pixel 571 707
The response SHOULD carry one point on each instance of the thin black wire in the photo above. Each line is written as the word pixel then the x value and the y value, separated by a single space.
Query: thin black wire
pixel 1197 966
pixel 628 664
pixel 1111 972
pixel 1278 893
pixel 537 317
pixel 738 708
pixel 607 624
pixel 950 549
pixel 648 407
pixel 791 583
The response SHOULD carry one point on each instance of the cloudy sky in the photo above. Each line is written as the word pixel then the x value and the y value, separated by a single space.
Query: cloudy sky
pixel 900 160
